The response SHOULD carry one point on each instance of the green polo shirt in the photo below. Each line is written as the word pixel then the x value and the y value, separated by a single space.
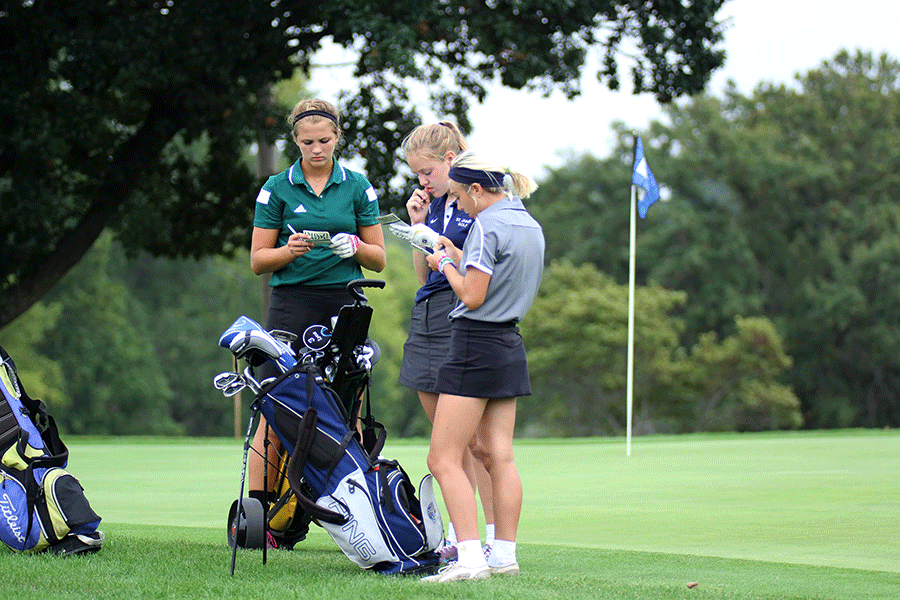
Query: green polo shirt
pixel 347 203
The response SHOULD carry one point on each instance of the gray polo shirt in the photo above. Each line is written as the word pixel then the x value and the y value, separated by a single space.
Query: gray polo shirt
pixel 508 244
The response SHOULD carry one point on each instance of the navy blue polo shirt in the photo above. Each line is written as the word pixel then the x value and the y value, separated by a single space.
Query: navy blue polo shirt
pixel 457 230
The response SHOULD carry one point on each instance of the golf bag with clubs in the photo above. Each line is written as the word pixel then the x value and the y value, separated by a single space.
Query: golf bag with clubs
pixel 42 506
pixel 366 503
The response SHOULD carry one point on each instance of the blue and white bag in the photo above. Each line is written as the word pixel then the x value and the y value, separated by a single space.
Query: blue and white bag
pixel 42 506
pixel 366 503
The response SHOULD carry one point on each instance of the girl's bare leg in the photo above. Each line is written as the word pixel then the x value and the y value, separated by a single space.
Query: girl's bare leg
pixel 455 422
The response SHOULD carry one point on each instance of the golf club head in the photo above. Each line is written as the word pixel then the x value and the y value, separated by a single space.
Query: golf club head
pixel 224 380
pixel 230 383
pixel 261 341
pixel 251 382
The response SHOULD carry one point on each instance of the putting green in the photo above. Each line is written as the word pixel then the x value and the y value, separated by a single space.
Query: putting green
pixel 822 498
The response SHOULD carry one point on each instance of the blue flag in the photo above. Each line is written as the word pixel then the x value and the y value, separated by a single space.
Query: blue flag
pixel 642 177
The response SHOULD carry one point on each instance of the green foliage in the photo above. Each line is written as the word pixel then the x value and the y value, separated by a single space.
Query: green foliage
pixel 577 339
pixel 781 205
pixel 113 377
pixel 41 376
pixel 134 350
pixel 396 406
pixel 579 207
pixel 129 345
pixel 817 165
pixel 736 381
pixel 134 117
pixel 187 304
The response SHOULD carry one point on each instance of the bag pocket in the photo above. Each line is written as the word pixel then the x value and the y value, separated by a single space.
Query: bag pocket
pixel 431 514
pixel 20 527
pixel 64 506
pixel 400 509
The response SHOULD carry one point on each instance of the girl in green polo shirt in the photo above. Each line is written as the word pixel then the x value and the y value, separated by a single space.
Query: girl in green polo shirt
pixel 314 229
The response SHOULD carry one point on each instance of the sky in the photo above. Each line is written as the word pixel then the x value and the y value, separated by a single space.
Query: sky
pixel 765 41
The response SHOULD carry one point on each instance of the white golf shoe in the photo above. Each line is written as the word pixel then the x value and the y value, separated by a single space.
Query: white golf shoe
pixel 456 572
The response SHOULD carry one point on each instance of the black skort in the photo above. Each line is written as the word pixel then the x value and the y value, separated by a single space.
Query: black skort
pixel 487 360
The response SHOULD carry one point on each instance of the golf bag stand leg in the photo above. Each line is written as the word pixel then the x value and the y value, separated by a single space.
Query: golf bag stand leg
pixel 266 446
pixel 254 414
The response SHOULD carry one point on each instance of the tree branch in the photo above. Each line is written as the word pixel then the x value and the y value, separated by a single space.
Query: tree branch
pixel 121 179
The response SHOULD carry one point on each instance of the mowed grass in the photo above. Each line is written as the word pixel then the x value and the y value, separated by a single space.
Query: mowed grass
pixel 797 515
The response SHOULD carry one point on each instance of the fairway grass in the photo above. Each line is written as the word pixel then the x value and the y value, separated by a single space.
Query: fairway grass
pixel 155 562
pixel 793 515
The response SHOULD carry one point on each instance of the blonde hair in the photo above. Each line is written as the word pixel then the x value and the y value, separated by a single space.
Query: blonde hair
pixel 513 181
pixel 315 104
pixel 434 141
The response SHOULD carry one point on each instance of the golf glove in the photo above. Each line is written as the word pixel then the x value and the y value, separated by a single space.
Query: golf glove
pixel 344 244
pixel 422 236
pixel 400 229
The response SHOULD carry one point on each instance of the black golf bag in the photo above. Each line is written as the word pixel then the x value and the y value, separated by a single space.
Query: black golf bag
pixel 366 503
pixel 42 506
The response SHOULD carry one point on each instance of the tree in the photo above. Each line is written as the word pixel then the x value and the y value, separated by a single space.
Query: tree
pixel 41 376
pixel 185 305
pixel 133 115
pixel 736 381
pixel 783 206
pixel 576 336
pixel 112 373
pixel 809 176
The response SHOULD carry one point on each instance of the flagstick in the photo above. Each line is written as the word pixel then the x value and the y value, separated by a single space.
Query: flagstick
pixel 629 390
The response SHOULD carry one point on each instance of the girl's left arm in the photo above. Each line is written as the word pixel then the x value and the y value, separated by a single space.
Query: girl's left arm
pixel 471 288
pixel 370 253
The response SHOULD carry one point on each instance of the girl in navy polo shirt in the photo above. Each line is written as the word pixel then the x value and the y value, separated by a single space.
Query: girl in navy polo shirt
pixel 429 149
pixel 496 277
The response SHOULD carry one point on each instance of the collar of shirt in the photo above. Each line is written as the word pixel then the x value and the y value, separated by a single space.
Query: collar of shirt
pixel 296 176
pixel 449 208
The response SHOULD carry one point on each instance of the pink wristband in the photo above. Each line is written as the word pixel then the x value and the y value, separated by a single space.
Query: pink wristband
pixel 445 260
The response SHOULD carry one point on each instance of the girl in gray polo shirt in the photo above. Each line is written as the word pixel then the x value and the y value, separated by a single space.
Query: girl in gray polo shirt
pixel 496 277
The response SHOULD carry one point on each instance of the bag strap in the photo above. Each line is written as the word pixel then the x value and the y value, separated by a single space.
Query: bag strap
pixel 385 496
pixel 374 434
pixel 306 433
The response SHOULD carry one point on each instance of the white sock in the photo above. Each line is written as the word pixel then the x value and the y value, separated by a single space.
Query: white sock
pixel 451 535
pixel 470 554
pixel 503 553
pixel 489 534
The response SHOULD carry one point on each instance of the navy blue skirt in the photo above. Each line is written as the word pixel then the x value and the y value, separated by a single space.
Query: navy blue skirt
pixel 487 360
pixel 428 343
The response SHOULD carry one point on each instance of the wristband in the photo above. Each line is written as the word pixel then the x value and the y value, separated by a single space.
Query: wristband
pixel 445 260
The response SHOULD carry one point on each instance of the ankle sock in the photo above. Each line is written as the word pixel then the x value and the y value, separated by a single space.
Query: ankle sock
pixel 489 534
pixel 471 555
pixel 451 535
pixel 503 552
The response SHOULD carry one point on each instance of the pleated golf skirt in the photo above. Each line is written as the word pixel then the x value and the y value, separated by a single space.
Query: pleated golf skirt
pixel 486 360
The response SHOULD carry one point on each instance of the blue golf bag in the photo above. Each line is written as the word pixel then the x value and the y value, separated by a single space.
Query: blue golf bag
pixel 365 502
pixel 42 506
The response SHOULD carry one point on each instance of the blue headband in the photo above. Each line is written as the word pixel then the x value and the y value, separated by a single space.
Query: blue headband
pixel 318 113
pixel 492 179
